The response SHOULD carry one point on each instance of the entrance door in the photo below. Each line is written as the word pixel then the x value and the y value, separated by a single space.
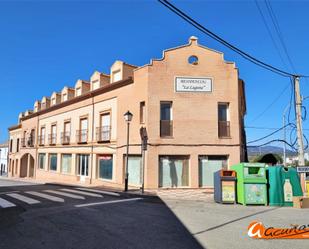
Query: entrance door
pixel 82 166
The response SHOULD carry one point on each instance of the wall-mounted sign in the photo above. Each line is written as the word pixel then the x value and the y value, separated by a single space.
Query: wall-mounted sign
pixel 302 169
pixel 190 84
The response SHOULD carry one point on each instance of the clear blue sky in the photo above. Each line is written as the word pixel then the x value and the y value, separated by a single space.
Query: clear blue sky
pixel 46 45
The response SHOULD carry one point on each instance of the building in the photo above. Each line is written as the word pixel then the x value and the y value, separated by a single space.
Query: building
pixel 191 102
pixel 3 158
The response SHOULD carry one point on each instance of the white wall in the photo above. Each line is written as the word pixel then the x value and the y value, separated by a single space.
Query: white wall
pixel 3 157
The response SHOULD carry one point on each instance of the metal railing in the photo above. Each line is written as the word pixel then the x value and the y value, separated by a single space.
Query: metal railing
pixel 166 128
pixel 103 134
pixel 224 129
pixel 41 140
pixel 30 141
pixel 52 138
pixel 81 136
pixel 65 137
pixel 23 142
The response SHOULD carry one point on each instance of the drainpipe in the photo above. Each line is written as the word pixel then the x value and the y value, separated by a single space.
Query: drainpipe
pixel 92 140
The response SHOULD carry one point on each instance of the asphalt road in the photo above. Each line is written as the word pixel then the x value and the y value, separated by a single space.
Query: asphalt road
pixel 87 222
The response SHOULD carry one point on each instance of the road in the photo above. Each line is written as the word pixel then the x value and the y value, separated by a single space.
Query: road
pixel 35 216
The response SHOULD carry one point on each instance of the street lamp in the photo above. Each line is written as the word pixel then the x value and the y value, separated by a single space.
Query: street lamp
pixel 128 118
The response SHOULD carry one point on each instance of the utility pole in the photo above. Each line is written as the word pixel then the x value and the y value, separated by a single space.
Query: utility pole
pixel 301 160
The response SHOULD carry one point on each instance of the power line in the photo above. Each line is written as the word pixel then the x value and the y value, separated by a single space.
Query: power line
pixel 279 33
pixel 271 104
pixel 259 139
pixel 270 33
pixel 209 33
pixel 272 141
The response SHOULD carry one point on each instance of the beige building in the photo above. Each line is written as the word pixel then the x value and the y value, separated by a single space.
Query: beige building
pixel 191 102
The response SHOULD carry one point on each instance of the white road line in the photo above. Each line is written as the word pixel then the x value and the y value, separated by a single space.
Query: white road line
pixel 65 194
pixel 45 196
pixel 8 192
pixel 80 192
pixel 99 191
pixel 6 204
pixel 23 198
pixel 107 202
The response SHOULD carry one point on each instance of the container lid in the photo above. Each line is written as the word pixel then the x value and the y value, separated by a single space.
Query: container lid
pixel 228 173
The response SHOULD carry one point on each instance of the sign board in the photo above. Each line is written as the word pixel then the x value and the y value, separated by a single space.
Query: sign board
pixel 302 169
pixel 191 84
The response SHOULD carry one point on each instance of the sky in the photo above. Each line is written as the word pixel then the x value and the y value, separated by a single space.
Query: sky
pixel 45 45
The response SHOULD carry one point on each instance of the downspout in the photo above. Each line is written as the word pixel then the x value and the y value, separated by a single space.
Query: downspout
pixel 92 140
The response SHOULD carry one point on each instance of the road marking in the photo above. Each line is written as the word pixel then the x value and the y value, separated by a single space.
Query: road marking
pixel 23 198
pixel 6 204
pixel 80 192
pixel 99 191
pixel 45 196
pixel 8 192
pixel 107 202
pixel 65 194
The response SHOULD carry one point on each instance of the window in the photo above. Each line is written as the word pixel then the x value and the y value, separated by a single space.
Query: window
pixel 82 164
pixel 66 162
pixel 105 163
pixel 134 169
pixel 65 97
pixel 83 132
pixel 193 60
pixel 95 84
pixel 17 145
pixel 166 123
pixel 104 131
pixel 78 91
pixel 142 112
pixel 42 136
pixel 11 145
pixel 53 161
pixel 41 160
pixel 53 135
pixel 53 101
pixel 66 133
pixel 207 166
pixel 116 76
pixel 173 171
pixel 223 120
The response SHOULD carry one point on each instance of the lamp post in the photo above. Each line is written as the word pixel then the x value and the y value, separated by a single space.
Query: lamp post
pixel 128 118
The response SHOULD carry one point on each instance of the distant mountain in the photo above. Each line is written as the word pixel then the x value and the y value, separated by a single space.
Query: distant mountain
pixel 253 151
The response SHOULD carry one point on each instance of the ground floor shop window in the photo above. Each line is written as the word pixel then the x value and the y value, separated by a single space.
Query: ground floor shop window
pixel 105 163
pixel 207 166
pixel 66 161
pixel 53 162
pixel 82 164
pixel 134 169
pixel 173 171
pixel 41 160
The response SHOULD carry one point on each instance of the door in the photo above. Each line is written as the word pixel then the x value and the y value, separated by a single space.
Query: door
pixel 134 170
pixel 83 130
pixel 83 166
pixel 105 127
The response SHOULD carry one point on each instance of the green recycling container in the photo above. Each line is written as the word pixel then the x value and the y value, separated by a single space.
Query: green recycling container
pixel 284 183
pixel 251 183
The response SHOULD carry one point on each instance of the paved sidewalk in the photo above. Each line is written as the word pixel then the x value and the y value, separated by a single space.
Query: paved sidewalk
pixel 185 194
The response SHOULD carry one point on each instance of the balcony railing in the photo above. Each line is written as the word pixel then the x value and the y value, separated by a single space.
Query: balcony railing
pixel 52 139
pixel 65 137
pixel 166 128
pixel 41 140
pixel 23 142
pixel 30 141
pixel 224 129
pixel 81 136
pixel 103 134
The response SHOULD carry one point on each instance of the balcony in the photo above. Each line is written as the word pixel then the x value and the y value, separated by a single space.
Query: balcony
pixel 224 129
pixel 23 142
pixel 52 138
pixel 65 137
pixel 41 140
pixel 103 134
pixel 81 136
pixel 30 141
pixel 166 128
